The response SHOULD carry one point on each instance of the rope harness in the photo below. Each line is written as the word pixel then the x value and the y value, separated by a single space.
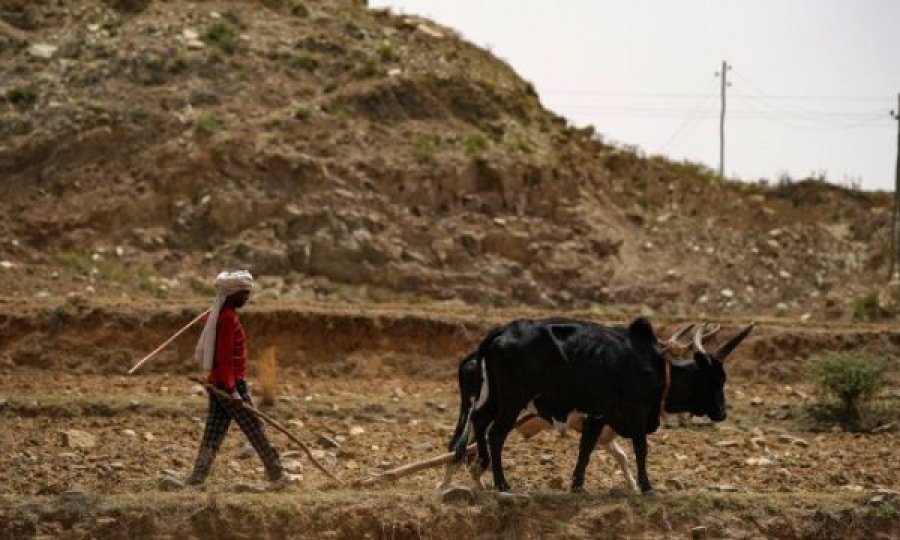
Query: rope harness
pixel 667 383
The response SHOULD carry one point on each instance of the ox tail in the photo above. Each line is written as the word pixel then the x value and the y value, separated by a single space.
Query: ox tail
pixel 469 384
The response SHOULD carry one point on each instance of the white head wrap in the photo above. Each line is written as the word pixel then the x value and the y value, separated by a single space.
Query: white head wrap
pixel 226 283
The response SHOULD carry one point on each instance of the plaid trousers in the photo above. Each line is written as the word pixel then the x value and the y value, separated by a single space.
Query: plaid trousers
pixel 218 419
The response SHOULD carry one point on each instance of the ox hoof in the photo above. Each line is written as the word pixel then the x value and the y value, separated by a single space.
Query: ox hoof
pixel 577 489
pixel 649 493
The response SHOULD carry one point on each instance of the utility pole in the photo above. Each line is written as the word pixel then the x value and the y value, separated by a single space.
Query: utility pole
pixel 891 276
pixel 724 75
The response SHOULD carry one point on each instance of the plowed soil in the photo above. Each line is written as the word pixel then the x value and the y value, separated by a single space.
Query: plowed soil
pixel 372 390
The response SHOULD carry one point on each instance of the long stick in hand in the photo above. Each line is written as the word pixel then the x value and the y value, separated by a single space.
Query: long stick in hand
pixel 166 342
pixel 271 421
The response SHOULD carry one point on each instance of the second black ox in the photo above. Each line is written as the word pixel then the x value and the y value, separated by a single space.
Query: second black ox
pixel 616 375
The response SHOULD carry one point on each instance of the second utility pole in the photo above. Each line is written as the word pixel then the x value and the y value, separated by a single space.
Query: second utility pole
pixel 724 75
pixel 891 275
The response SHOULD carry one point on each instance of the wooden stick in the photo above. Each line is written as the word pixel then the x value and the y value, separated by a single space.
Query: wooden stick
pixel 410 468
pixel 166 342
pixel 271 421
pixel 529 425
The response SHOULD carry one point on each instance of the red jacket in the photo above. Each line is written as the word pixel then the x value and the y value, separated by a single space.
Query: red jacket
pixel 230 364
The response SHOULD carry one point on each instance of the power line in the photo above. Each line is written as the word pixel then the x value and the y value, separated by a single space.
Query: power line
pixel 691 119
pixel 688 95
pixel 615 108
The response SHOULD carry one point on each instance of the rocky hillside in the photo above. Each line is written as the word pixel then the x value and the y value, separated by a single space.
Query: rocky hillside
pixel 346 153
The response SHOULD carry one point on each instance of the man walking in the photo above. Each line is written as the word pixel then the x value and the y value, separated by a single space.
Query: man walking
pixel 222 352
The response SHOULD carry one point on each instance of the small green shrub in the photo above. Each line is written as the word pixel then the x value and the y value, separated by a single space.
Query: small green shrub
pixel 425 148
pixel 475 144
pixel 22 97
pixel 851 379
pixel 387 53
pixel 222 36
pixel 302 112
pixel 208 123
pixel 368 69
pixel 103 269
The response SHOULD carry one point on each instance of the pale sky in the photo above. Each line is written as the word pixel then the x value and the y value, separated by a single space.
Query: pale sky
pixel 813 81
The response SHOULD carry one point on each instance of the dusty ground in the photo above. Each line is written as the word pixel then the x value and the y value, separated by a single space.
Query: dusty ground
pixel 759 473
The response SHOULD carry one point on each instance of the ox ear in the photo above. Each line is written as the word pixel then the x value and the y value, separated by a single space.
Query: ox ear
pixel 641 331
pixel 729 346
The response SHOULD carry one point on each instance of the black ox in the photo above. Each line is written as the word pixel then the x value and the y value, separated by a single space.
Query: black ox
pixel 471 381
pixel 618 377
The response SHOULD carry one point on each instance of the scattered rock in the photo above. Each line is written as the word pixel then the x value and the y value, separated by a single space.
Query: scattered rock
pixel 246 487
pixel 458 494
pixel 356 430
pixel 42 50
pixel 759 461
pixel 724 488
pixel 168 482
pixel 129 433
pixel 884 427
pixel 75 438
pixel 728 443
pixel 698 533
pixel 440 407
pixel 756 402
pixel 327 442
pixel 782 412
pixel 246 452
pixel 422 446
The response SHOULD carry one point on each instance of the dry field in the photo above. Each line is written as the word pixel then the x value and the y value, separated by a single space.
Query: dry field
pixel 377 390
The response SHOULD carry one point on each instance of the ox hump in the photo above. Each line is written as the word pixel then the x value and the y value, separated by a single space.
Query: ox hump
pixel 640 331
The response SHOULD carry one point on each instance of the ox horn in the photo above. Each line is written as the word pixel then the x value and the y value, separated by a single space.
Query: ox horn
pixel 708 333
pixel 729 346
pixel 673 341
pixel 698 339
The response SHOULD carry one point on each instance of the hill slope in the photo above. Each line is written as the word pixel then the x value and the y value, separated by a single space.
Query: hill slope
pixel 349 153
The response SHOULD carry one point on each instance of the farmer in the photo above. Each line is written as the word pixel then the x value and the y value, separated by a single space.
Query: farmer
pixel 222 352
